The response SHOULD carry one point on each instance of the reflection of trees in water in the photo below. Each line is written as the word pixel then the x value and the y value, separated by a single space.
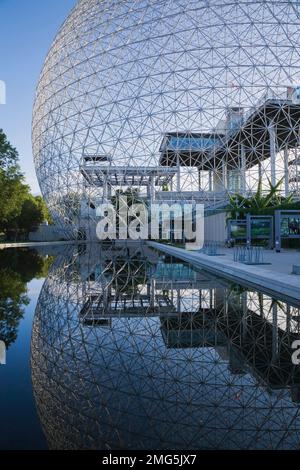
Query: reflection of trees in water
pixel 17 268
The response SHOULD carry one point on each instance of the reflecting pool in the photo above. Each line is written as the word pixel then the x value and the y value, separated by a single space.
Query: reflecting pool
pixel 122 347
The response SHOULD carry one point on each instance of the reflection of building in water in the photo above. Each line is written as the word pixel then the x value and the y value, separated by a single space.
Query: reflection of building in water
pixel 250 340
pixel 130 350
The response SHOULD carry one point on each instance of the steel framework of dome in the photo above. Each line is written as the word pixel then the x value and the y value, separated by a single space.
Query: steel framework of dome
pixel 132 352
pixel 196 97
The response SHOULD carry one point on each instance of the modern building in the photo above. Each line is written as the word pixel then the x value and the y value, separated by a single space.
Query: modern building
pixel 192 106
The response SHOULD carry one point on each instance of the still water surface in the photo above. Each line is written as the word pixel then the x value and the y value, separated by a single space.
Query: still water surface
pixel 122 347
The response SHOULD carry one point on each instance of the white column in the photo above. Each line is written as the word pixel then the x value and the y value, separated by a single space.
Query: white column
pixel 243 169
pixel 199 179
pixel 224 175
pixel 286 171
pixel 209 180
pixel 171 184
pixel 152 293
pixel 152 188
pixel 109 191
pixel 272 135
pixel 105 300
pixel 105 190
pixel 218 179
pixel 259 171
pixel 178 173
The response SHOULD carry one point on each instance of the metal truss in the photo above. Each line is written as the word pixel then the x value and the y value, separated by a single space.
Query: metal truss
pixel 121 76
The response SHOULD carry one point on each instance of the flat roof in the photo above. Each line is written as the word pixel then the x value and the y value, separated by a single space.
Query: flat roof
pixel 187 146
pixel 123 175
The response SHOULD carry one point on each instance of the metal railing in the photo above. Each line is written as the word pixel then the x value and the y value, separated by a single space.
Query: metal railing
pixel 212 249
pixel 248 254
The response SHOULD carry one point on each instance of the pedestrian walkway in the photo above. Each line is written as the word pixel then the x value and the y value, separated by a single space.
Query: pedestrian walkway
pixel 272 278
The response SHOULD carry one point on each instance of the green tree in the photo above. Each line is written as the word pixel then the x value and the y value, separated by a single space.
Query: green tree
pixel 13 299
pixel 31 216
pixel 12 194
pixel 20 212
pixel 8 155
pixel 13 191
pixel 12 187
pixel 259 202
pixel 43 209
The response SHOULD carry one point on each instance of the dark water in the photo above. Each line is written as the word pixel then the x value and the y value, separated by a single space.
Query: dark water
pixel 121 347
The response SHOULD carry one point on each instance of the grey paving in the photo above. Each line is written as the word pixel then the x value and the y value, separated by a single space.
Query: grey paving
pixel 274 278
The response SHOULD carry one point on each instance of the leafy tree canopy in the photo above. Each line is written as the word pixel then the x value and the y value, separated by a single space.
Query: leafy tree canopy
pixel 20 212
pixel 9 158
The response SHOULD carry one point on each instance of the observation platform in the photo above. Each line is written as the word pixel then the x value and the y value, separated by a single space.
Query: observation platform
pixel 274 122
pixel 98 175
pixel 213 199
pixel 219 161
pixel 188 149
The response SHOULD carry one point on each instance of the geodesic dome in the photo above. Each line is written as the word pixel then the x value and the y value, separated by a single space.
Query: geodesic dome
pixel 128 352
pixel 137 84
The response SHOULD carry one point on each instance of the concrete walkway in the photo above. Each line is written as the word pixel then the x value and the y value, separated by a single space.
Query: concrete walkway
pixel 274 278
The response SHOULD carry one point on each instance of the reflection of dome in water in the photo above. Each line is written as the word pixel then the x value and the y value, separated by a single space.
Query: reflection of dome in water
pixel 151 379
pixel 120 76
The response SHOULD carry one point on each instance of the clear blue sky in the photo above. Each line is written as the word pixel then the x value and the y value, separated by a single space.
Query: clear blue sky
pixel 27 29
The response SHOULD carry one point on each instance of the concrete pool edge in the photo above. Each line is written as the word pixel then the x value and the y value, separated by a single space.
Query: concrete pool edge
pixel 281 284
pixel 3 246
